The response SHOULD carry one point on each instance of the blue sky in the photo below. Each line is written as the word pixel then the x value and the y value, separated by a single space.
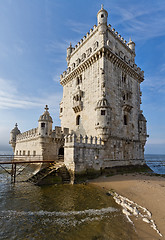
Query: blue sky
pixel 33 41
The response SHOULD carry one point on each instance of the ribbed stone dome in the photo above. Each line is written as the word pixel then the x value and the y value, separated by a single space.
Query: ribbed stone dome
pixel 46 116
pixel 141 117
pixel 15 130
pixel 103 103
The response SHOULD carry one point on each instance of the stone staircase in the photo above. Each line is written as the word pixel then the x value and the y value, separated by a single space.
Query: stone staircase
pixel 57 169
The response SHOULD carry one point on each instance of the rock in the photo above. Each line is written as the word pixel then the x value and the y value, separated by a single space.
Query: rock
pixel 146 220
pixel 126 212
pixel 108 194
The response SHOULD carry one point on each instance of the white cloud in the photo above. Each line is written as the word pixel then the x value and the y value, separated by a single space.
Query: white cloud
pixel 143 21
pixel 11 98
pixel 155 83
pixel 77 27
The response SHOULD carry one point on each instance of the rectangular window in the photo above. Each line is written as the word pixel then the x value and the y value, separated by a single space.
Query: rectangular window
pixel 42 125
pixel 34 153
pixel 28 153
pixel 102 112
pixel 125 120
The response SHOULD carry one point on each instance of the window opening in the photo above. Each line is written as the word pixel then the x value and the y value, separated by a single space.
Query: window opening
pixel 78 120
pixel 78 81
pixel 42 125
pixel 102 15
pixel 125 120
pixel 61 151
pixel 123 77
pixel 102 112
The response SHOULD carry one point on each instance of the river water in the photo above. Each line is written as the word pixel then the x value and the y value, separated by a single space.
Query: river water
pixel 60 212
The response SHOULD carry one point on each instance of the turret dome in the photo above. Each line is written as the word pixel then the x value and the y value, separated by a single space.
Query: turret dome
pixel 103 103
pixel 141 117
pixel 46 116
pixel 102 16
pixel 15 130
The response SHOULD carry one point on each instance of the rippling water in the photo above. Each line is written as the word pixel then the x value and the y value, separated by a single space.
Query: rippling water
pixel 156 162
pixel 61 212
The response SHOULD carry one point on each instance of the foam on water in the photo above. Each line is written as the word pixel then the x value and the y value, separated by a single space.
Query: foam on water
pixel 89 212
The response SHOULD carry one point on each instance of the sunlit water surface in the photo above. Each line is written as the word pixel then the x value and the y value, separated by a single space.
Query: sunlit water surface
pixel 60 212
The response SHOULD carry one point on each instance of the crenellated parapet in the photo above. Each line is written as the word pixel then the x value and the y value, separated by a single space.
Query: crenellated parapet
pixel 123 62
pixel 73 139
pixel 31 134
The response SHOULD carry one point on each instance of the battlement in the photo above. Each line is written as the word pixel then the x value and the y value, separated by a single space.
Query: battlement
pixel 33 133
pixel 92 44
pixel 92 31
pixel 94 55
pixel 86 140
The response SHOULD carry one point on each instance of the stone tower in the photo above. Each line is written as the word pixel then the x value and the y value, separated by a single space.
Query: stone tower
pixel 13 134
pixel 45 124
pixel 101 93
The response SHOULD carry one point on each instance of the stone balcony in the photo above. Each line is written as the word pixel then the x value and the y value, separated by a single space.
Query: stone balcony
pixel 127 105
pixel 77 106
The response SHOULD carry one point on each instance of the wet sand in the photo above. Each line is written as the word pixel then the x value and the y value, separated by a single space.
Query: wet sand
pixel 147 191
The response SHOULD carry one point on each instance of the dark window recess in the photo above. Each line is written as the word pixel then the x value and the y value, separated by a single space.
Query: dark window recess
pixel 61 109
pixel 125 120
pixel 78 120
pixel 61 151
pixel 102 112
pixel 42 125
pixel 102 15
pixel 79 80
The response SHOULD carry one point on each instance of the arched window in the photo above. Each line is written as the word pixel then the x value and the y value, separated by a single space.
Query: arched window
pixel 78 120
pixel 102 15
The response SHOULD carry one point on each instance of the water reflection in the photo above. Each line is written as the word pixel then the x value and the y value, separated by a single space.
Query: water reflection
pixel 60 212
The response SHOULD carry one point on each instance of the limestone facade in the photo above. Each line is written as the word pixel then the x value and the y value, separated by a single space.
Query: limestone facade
pixel 102 124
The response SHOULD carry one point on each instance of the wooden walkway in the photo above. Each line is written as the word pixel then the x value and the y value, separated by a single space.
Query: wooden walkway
pixel 16 160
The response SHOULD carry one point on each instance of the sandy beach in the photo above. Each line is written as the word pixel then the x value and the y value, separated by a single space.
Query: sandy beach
pixel 147 191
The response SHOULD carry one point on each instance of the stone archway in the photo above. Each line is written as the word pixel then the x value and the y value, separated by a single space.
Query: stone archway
pixel 61 153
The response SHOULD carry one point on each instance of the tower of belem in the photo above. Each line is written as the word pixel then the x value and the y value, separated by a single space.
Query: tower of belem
pixel 102 124
pixel 102 97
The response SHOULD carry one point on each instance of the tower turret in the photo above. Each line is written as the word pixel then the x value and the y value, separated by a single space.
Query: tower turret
pixel 69 51
pixel 142 128
pixel 45 123
pixel 102 16
pixel 13 134
pixel 131 45
pixel 103 118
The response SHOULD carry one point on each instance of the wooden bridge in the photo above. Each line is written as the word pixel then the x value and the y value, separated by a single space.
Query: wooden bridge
pixel 15 161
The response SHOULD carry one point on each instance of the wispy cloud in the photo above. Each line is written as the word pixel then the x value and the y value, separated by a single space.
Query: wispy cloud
pixel 57 46
pixel 10 97
pixel 162 68
pixel 144 22
pixel 78 27
pixel 155 83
